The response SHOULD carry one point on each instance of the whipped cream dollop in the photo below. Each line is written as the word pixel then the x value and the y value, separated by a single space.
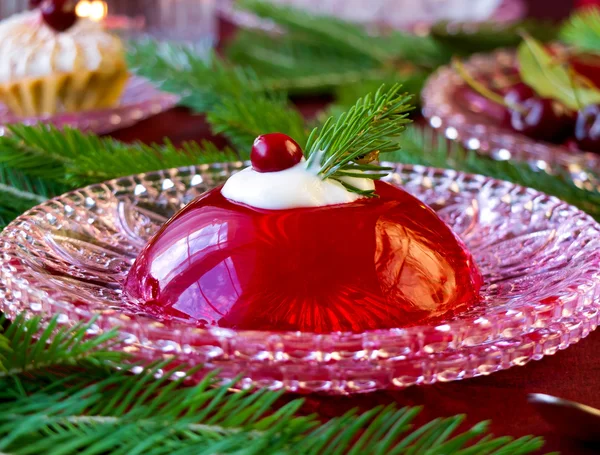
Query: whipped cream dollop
pixel 29 48
pixel 295 187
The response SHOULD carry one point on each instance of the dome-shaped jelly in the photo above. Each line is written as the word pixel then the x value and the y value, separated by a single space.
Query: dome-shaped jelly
pixel 372 264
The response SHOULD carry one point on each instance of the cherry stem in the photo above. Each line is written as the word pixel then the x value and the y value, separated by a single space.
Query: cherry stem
pixel 482 89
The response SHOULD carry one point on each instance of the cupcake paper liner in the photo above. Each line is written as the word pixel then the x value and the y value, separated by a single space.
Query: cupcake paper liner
pixel 65 92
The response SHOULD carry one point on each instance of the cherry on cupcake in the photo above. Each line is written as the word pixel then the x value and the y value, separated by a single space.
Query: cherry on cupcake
pixel 35 3
pixel 59 14
pixel 274 152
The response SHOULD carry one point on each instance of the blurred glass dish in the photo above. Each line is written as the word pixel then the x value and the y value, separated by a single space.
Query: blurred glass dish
pixel 400 14
pixel 447 110
pixel 540 259
pixel 191 22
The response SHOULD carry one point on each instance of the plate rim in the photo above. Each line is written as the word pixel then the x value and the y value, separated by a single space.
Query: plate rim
pixel 357 362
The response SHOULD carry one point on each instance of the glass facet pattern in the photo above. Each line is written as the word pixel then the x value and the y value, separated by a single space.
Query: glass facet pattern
pixel 540 259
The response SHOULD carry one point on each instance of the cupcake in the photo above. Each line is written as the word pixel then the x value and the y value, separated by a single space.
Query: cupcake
pixel 52 62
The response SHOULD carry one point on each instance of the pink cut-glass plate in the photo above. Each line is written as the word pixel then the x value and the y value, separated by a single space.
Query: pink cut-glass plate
pixel 139 101
pixel 539 256
pixel 446 111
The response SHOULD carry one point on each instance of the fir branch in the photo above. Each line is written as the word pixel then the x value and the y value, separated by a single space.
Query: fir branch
pixel 201 82
pixel 76 159
pixel 289 56
pixel 343 35
pixel 146 413
pixel 52 346
pixel 242 119
pixel 463 39
pixel 368 127
pixel 317 53
pixel 89 408
pixel 301 61
pixel 19 192
pixel 347 94
pixel 582 30
pixel 297 66
pixel 39 162
pixel 238 105
pixel 425 147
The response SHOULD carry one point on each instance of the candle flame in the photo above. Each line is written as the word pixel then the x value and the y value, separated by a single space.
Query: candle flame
pixel 95 10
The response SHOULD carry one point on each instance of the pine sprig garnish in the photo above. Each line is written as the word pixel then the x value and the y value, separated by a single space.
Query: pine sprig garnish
pixel 364 131
pixel 87 407
pixel 582 30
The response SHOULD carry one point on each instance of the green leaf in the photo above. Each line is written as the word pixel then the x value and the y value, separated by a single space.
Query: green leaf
pixel 550 79
pixel 582 30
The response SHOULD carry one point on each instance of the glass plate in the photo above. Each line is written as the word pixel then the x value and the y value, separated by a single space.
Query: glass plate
pixel 406 14
pixel 140 100
pixel 540 258
pixel 482 133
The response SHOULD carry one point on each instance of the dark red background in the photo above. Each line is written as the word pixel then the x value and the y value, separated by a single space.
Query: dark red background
pixel 501 397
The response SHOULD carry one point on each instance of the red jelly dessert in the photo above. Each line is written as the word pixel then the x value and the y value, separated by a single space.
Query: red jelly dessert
pixel 374 263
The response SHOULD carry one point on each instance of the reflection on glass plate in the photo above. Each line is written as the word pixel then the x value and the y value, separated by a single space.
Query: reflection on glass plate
pixel 446 111
pixel 539 256
pixel 139 101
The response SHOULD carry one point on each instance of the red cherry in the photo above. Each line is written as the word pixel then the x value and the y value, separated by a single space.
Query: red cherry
pixel 59 14
pixel 35 3
pixel 538 118
pixel 274 152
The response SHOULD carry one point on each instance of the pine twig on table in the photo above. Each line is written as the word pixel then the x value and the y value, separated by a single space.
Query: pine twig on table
pixel 91 408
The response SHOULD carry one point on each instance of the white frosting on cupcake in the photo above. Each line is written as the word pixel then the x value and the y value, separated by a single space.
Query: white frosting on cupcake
pixel 29 48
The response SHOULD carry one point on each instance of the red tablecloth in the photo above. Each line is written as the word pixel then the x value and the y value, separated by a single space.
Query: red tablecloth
pixel 573 374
